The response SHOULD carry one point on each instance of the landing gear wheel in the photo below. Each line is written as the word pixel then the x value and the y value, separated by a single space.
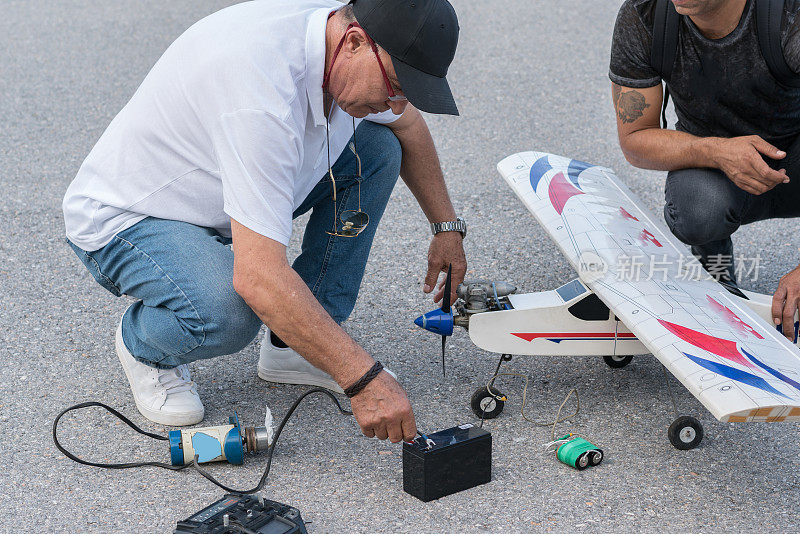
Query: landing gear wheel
pixel 487 405
pixel 617 362
pixel 685 433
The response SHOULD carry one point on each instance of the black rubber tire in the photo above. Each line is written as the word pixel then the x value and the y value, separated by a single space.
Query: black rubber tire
pixel 685 433
pixel 617 362
pixel 493 408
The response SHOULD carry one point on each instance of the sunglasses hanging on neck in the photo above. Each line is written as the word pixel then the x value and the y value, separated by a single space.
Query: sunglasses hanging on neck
pixel 348 223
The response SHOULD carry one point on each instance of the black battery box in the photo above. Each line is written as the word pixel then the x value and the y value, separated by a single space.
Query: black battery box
pixel 459 459
pixel 244 513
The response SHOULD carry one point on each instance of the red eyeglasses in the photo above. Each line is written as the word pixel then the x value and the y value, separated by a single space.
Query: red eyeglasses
pixel 393 96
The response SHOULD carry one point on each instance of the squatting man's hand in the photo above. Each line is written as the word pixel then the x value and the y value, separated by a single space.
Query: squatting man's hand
pixel 383 411
pixel 785 302
pixel 740 158
pixel 446 248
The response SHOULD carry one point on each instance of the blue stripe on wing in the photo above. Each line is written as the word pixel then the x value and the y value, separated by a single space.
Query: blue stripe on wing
pixel 538 170
pixel 735 374
pixel 773 372
pixel 575 169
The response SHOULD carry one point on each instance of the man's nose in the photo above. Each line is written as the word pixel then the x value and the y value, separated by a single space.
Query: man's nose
pixel 397 106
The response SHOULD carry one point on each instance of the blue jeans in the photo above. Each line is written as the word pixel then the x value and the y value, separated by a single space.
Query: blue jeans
pixel 704 207
pixel 182 274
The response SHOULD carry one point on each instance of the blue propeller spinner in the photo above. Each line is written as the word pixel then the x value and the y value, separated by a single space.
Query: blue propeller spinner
pixel 440 321
pixel 437 321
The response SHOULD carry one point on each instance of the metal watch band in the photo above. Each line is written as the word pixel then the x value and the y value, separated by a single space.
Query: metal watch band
pixel 459 225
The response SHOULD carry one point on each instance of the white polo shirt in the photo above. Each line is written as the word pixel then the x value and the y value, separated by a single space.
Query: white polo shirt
pixel 229 123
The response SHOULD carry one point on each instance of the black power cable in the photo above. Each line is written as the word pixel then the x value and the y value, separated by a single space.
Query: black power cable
pixel 163 465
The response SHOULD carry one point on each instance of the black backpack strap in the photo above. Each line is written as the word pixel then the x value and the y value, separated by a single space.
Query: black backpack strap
pixel 665 38
pixel 664 123
pixel 665 46
pixel 769 14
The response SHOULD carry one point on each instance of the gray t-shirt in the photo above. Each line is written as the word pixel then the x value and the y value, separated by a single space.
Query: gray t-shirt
pixel 720 87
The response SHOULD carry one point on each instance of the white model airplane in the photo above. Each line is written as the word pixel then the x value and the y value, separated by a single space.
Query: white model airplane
pixel 721 346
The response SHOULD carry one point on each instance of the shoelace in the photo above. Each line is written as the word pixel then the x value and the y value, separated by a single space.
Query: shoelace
pixel 173 379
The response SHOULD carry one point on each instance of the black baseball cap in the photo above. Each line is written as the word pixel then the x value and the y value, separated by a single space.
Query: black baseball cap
pixel 421 37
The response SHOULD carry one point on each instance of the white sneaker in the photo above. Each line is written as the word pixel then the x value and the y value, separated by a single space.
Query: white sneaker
pixel 285 366
pixel 166 396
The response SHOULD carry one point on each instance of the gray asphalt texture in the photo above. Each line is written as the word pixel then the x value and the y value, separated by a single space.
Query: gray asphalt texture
pixel 529 75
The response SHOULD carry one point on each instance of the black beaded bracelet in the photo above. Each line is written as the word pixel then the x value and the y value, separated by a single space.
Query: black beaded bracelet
pixel 362 382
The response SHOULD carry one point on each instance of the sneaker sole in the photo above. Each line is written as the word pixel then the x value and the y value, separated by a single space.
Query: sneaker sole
pixel 169 420
pixel 154 415
pixel 298 378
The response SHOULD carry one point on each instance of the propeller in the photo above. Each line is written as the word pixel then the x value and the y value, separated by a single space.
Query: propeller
pixel 440 321
pixel 446 308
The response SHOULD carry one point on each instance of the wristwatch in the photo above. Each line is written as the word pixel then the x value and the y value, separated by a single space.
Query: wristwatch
pixel 450 226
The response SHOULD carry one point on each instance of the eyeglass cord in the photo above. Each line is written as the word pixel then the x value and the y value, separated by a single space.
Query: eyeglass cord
pixel 354 148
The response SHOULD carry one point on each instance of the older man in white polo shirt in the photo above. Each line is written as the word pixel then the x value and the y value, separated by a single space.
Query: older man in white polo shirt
pixel 250 118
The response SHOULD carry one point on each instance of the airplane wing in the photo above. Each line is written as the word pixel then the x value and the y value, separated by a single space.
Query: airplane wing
pixel 734 362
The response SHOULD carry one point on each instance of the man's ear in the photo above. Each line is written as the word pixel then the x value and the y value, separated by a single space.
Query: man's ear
pixel 355 40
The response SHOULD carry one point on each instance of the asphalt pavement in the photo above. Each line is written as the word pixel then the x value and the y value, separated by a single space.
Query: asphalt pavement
pixel 528 75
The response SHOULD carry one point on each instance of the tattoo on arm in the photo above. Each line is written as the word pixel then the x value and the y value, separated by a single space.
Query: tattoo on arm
pixel 630 105
pixel 615 91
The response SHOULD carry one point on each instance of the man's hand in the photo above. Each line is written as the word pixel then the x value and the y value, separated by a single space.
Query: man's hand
pixel 383 411
pixel 446 248
pixel 740 159
pixel 785 302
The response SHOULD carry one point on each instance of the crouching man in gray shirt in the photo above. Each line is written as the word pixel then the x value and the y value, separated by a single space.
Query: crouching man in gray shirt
pixel 734 156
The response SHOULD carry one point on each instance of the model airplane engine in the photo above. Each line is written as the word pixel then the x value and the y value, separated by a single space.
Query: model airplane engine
pixel 472 296
pixel 484 295
pixel 478 296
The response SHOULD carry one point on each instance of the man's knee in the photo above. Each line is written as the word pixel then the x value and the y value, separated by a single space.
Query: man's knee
pixel 699 209
pixel 229 326
pixel 692 224
pixel 238 326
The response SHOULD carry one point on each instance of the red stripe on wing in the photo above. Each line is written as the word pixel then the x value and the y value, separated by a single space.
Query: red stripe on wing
pixel 560 191
pixel 530 336
pixel 721 347
pixel 732 319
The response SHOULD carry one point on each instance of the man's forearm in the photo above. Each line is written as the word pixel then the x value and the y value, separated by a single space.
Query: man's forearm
pixel 668 150
pixel 422 172
pixel 277 294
